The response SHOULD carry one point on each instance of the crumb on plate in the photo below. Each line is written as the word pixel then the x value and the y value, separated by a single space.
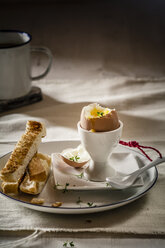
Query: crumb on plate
pixel 38 201
pixel 56 204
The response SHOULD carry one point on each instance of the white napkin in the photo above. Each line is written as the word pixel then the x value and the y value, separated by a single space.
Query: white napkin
pixel 74 179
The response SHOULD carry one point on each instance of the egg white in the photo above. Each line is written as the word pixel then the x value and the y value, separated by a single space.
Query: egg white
pixel 92 109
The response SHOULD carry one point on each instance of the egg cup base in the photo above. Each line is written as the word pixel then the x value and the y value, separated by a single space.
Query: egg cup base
pixel 98 171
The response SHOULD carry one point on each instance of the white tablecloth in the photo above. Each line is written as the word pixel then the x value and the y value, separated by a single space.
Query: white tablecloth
pixel 143 120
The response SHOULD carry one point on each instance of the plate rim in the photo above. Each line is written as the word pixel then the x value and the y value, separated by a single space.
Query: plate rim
pixel 81 209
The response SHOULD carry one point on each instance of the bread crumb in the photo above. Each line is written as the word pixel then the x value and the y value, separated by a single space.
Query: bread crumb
pixel 38 201
pixel 56 204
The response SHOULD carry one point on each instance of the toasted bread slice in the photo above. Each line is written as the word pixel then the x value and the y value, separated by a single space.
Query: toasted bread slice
pixel 37 167
pixel 24 150
pixel 34 186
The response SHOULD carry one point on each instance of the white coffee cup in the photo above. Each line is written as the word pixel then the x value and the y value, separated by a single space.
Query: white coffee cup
pixel 15 64
pixel 100 146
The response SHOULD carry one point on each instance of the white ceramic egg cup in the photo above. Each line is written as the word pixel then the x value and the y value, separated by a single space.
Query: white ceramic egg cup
pixel 99 145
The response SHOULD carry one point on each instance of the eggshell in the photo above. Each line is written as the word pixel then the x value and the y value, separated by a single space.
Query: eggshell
pixel 73 163
pixel 105 123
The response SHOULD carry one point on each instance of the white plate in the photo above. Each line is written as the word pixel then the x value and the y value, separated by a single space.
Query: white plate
pixel 82 202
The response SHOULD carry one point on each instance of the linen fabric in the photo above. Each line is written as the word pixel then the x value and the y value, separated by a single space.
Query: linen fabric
pixel 140 103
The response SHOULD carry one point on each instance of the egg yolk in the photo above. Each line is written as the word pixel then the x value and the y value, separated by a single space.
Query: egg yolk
pixel 97 113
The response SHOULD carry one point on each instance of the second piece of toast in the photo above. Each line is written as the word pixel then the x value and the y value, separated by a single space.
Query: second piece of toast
pixel 36 176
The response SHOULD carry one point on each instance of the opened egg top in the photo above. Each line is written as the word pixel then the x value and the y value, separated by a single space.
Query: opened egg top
pixel 96 118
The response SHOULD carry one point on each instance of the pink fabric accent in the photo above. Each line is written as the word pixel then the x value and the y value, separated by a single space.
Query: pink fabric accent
pixel 135 144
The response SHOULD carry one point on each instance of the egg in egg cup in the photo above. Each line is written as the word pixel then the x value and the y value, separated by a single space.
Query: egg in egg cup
pixel 99 145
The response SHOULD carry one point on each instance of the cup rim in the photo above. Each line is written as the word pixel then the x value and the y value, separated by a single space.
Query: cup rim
pixel 98 133
pixel 16 31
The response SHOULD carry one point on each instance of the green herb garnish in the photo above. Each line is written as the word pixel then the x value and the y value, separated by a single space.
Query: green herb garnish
pixel 65 189
pixel 56 185
pixel 71 244
pixel 108 184
pixel 79 200
pixel 90 204
pixel 80 175
pixel 76 158
pixel 68 244
pixel 65 244
pixel 100 114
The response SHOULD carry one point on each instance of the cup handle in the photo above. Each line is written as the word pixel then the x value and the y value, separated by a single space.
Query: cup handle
pixel 46 51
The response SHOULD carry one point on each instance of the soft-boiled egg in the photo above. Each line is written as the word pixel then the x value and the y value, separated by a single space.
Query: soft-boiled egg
pixel 98 119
